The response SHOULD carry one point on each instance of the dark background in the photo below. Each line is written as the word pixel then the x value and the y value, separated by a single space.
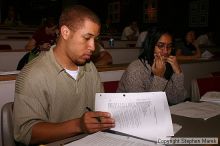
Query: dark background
pixel 172 13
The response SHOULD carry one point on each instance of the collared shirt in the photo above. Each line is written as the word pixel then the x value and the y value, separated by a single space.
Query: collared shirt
pixel 45 92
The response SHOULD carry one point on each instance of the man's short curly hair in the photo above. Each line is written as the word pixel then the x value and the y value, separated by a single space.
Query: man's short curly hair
pixel 74 17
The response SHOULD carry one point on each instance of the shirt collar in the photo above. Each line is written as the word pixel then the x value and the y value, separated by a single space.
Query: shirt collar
pixel 59 68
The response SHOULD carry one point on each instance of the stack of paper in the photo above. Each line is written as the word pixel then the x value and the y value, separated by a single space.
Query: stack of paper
pixel 211 97
pixel 108 139
pixel 202 110
pixel 145 115
pixel 176 127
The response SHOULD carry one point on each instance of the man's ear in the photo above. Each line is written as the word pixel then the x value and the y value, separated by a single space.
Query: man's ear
pixel 65 31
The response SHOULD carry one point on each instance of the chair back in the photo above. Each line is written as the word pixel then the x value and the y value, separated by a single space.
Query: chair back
pixel 208 84
pixel 110 86
pixel 7 125
pixel 5 47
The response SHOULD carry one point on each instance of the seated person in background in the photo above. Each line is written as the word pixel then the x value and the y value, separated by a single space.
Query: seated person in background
pixel 156 69
pixel 107 28
pixel 141 39
pixel 101 56
pixel 130 32
pixel 12 18
pixel 53 91
pixel 44 37
pixel 206 40
pixel 189 50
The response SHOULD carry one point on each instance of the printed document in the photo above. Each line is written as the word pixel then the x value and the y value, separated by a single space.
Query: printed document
pixel 109 139
pixel 211 97
pixel 202 110
pixel 145 115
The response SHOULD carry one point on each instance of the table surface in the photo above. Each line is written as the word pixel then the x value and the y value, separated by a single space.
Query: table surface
pixel 191 127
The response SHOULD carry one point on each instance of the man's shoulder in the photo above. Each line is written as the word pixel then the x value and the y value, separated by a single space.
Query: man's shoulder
pixel 35 67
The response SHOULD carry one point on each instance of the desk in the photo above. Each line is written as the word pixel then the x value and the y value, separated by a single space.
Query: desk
pixel 16 44
pixel 122 55
pixel 191 127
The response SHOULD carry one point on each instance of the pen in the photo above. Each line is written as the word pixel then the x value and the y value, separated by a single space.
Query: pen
pixel 97 118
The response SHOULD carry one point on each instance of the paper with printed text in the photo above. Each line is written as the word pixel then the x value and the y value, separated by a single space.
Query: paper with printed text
pixel 145 115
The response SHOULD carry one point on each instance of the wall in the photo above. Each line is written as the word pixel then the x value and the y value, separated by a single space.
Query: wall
pixel 9 60
pixel 18 44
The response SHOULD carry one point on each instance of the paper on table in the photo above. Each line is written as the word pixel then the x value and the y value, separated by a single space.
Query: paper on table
pixel 145 115
pixel 206 55
pixel 211 97
pixel 202 110
pixel 108 139
pixel 176 127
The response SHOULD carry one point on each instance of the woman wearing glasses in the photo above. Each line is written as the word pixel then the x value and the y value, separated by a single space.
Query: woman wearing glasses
pixel 156 68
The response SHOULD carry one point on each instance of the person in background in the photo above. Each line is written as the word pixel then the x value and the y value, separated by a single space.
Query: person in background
pixel 13 18
pixel 107 28
pixel 189 50
pixel 101 56
pixel 130 32
pixel 53 91
pixel 141 39
pixel 206 40
pixel 45 36
pixel 156 68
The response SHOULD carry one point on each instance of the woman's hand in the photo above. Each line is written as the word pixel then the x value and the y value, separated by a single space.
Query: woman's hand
pixel 158 67
pixel 173 62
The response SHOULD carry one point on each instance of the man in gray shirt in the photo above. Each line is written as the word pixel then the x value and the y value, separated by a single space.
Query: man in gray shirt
pixel 53 90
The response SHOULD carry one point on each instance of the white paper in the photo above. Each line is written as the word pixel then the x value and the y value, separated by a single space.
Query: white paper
pixel 202 110
pixel 211 97
pixel 176 127
pixel 108 139
pixel 145 115
pixel 206 55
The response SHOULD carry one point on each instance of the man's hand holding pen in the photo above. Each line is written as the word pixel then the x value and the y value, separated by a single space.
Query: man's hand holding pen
pixel 94 121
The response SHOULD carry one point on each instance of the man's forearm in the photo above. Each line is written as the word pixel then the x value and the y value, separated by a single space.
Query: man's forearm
pixel 44 132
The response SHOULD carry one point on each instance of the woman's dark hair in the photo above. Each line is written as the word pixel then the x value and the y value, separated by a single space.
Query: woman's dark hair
pixel 150 41
pixel 50 22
